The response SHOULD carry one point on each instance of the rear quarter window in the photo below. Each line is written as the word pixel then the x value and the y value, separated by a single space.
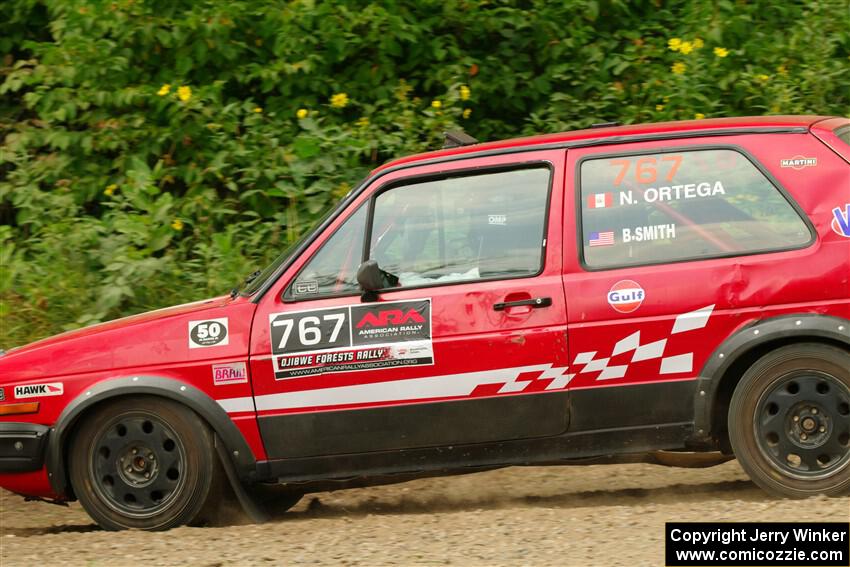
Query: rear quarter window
pixel 684 205
pixel 843 134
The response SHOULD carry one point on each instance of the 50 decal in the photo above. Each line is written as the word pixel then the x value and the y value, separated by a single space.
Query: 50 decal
pixel 209 333
pixel 351 338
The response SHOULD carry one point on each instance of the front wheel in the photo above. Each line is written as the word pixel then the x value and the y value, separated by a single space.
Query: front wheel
pixel 143 463
pixel 789 421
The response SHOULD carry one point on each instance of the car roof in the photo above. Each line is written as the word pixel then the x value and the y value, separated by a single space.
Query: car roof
pixel 601 133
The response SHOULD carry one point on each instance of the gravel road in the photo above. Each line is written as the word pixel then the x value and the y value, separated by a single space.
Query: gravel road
pixel 591 515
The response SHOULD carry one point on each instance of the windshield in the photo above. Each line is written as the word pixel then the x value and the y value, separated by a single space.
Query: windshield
pixel 272 268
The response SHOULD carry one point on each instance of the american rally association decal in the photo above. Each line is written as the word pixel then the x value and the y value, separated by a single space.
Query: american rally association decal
pixel 351 338
pixel 625 296
pixel 212 332
pixel 841 221
pixel 232 373
pixel 39 390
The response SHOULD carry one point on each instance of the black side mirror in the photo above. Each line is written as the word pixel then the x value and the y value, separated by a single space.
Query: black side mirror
pixel 372 278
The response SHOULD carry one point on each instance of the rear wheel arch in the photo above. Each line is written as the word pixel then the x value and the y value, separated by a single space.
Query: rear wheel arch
pixel 75 413
pixel 728 363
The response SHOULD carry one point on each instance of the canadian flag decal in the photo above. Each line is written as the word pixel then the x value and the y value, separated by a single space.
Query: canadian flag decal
pixel 600 200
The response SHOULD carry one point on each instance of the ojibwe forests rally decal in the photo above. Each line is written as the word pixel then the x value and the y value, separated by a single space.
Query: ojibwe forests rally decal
pixel 368 336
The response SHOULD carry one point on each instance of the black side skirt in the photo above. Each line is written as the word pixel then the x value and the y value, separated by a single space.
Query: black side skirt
pixel 605 422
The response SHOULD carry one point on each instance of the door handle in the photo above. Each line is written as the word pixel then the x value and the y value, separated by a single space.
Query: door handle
pixel 534 303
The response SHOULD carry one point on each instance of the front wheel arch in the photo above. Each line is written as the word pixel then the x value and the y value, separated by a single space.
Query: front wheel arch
pixel 240 454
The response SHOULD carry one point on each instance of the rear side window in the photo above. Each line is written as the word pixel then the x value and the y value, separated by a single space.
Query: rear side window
pixel 675 206
pixel 843 134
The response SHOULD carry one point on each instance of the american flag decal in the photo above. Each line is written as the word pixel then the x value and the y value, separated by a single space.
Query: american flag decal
pixel 601 238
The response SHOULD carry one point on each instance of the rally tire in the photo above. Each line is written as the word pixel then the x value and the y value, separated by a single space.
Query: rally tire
pixel 789 421
pixel 144 463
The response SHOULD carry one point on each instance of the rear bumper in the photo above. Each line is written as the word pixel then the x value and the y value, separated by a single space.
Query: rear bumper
pixel 22 446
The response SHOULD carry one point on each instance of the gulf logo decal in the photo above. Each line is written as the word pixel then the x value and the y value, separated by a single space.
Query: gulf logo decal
pixel 625 296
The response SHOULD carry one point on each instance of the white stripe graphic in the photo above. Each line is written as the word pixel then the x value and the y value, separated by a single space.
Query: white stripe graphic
pixel 693 320
pixel 450 385
pixel 234 405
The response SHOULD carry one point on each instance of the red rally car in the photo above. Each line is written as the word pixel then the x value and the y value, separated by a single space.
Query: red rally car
pixel 580 297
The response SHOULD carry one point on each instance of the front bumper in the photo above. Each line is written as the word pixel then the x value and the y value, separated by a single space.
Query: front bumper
pixel 22 446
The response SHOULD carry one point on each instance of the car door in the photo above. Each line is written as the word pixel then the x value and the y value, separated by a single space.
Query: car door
pixel 677 244
pixel 467 347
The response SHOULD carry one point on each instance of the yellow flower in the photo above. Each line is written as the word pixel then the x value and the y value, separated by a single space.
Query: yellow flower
pixel 674 44
pixel 763 78
pixel 184 93
pixel 467 112
pixel 686 47
pixel 678 68
pixel 258 109
pixel 177 224
pixel 699 115
pixel 698 43
pixel 721 51
pixel 164 90
pixel 301 113
pixel 363 122
pixel 436 104
pixel 339 100
pixel 659 107
pixel 464 92
pixel 782 70
pixel 110 190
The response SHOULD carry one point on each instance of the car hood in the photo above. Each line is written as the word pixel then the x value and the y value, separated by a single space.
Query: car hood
pixel 100 346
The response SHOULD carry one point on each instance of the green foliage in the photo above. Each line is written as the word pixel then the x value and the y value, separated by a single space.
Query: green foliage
pixel 158 151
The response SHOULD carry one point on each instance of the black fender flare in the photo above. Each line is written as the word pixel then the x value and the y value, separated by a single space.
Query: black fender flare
pixel 783 328
pixel 240 454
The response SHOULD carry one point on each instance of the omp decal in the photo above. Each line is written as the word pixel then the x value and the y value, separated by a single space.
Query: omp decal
pixel 351 338
pixel 510 380
pixel 625 296
pixel 39 390
pixel 841 221
pixel 208 333
pixel 231 373
pixel 798 162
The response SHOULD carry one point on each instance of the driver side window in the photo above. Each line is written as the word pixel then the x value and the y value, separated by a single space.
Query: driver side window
pixel 464 228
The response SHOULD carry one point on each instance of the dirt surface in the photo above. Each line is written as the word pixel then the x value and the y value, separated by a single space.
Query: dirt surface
pixel 593 515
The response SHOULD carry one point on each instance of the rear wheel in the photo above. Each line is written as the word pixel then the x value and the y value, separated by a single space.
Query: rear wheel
pixel 143 463
pixel 789 421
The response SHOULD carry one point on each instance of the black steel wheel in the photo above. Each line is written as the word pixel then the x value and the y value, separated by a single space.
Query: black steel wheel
pixel 789 421
pixel 143 463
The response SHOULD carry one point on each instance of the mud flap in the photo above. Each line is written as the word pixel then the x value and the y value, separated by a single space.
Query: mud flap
pixel 249 505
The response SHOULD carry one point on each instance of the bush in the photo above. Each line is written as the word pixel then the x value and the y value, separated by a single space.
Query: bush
pixel 158 151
